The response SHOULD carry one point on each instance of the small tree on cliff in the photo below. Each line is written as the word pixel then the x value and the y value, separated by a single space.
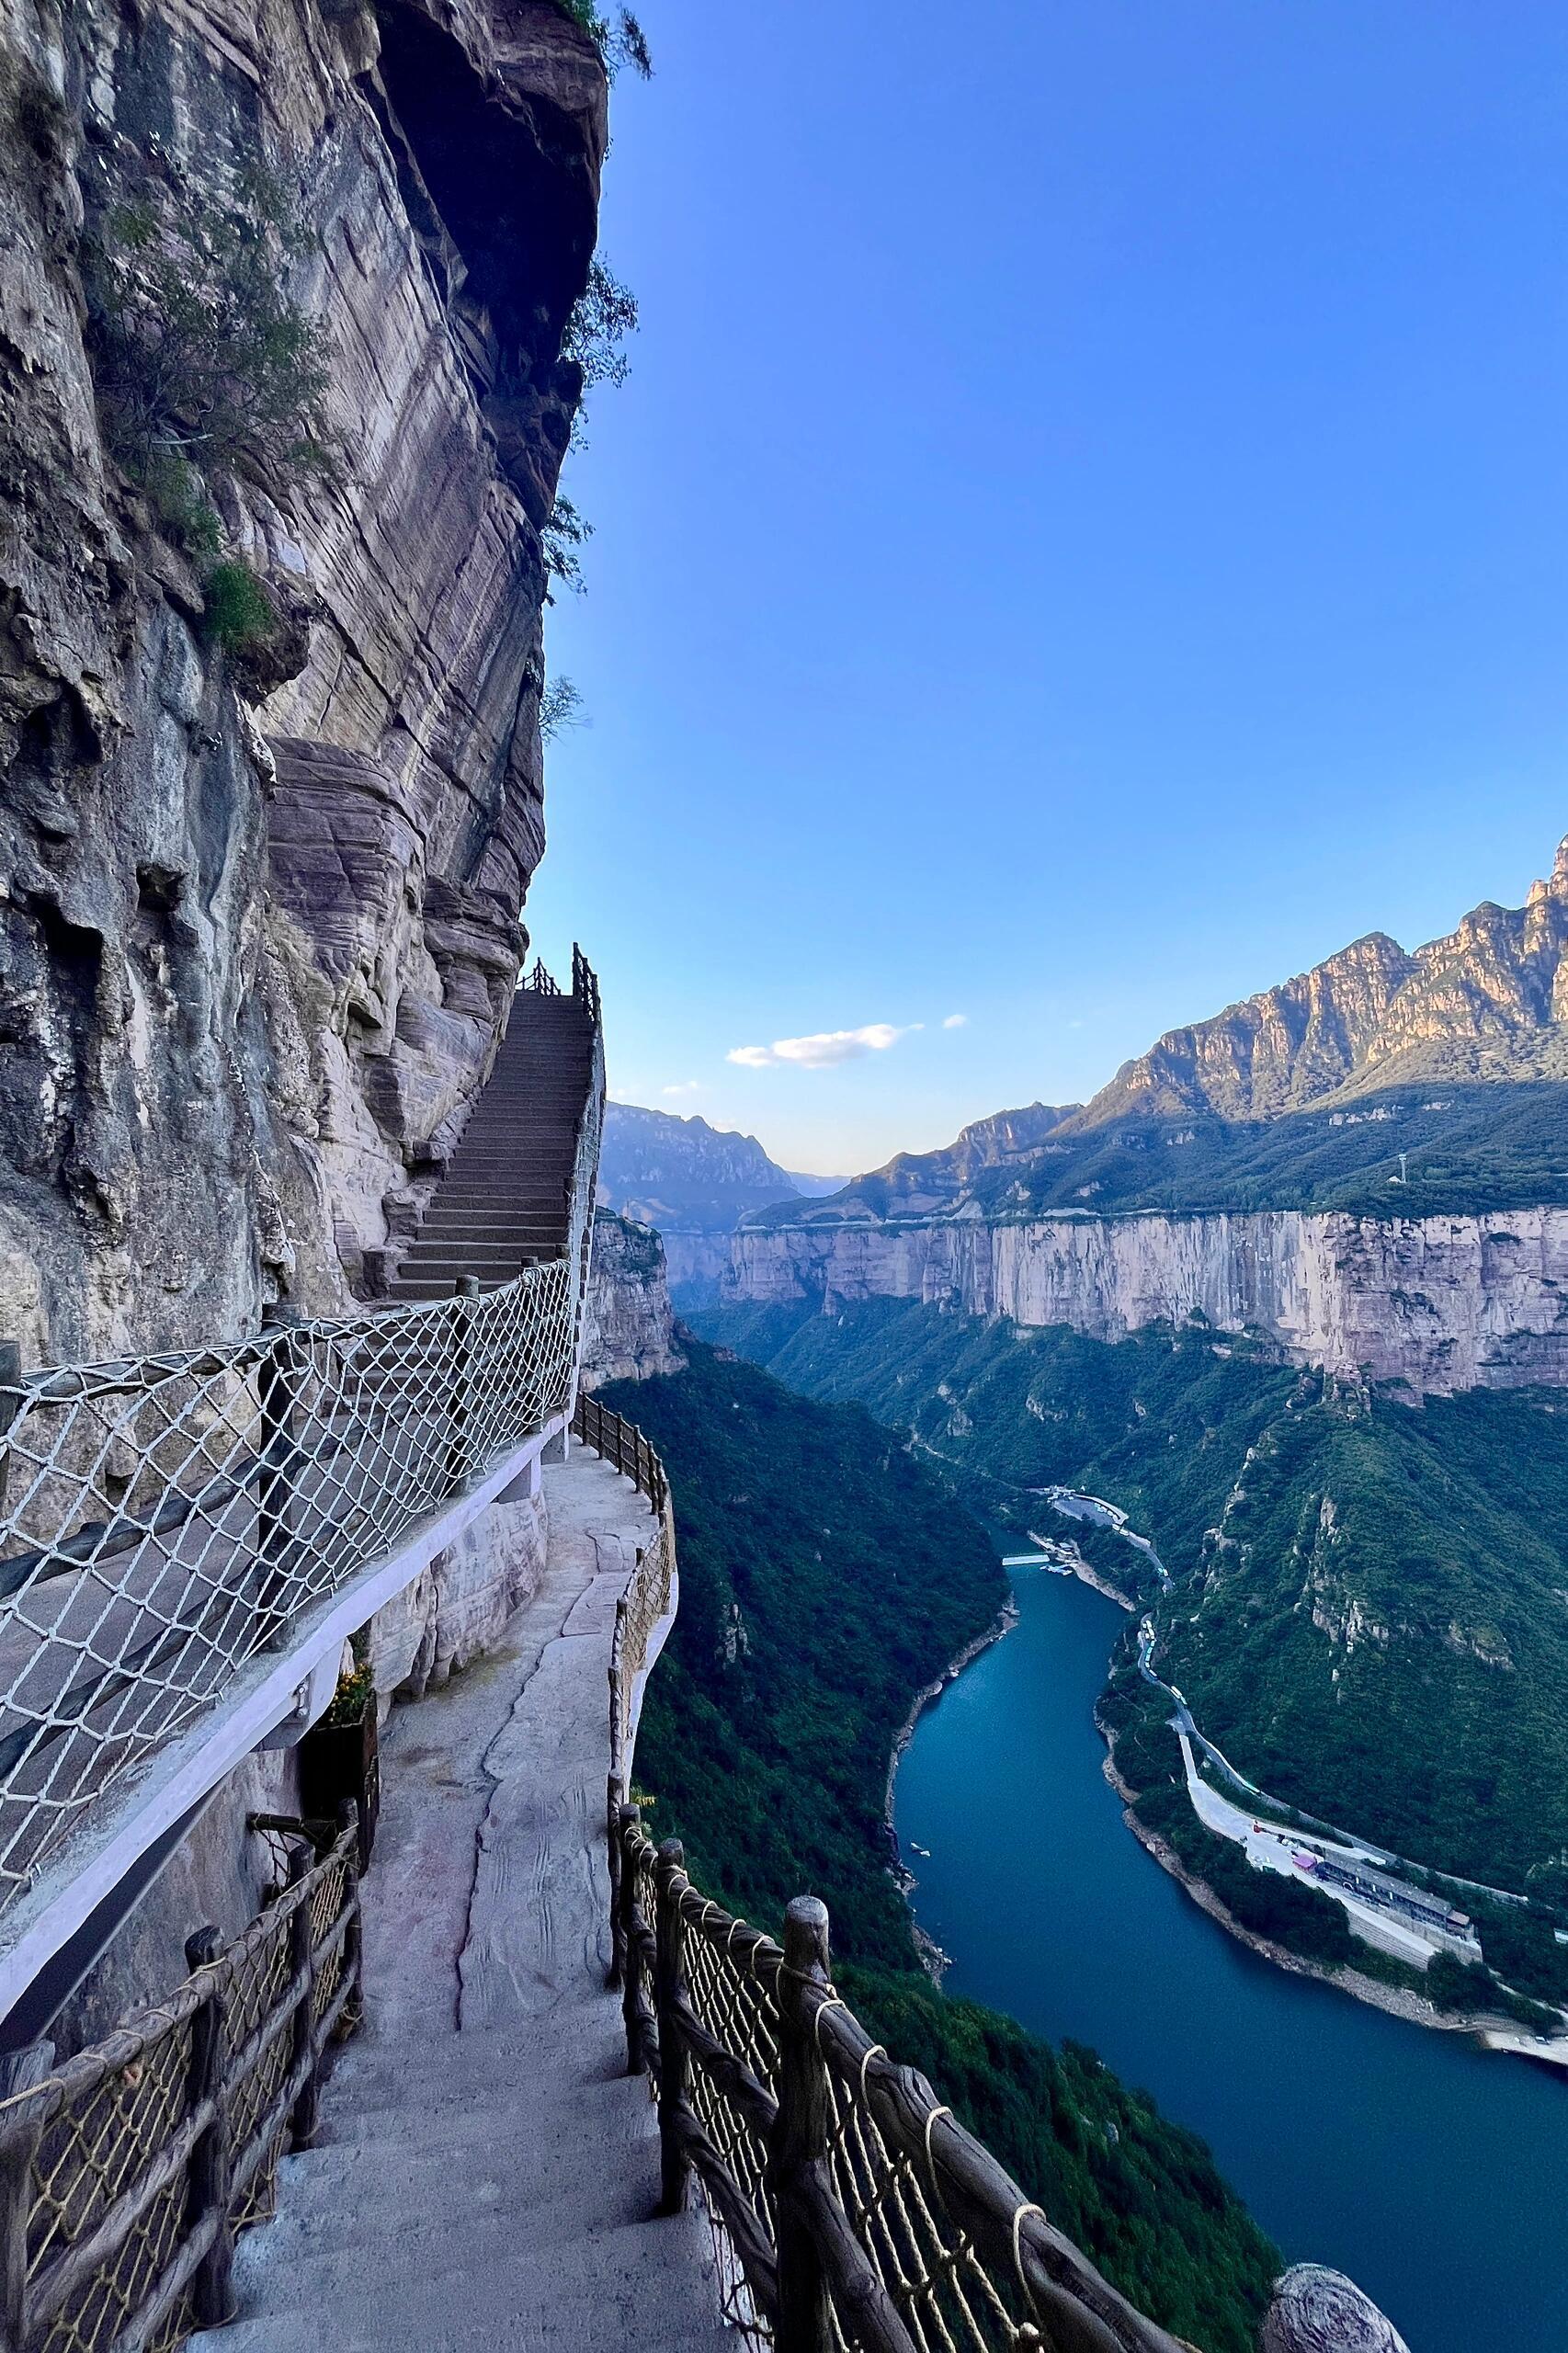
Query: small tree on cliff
pixel 203 364
pixel 620 42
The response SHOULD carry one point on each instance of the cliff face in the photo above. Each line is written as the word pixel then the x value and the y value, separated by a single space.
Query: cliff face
pixel 629 1328
pixel 260 921
pixel 1436 1304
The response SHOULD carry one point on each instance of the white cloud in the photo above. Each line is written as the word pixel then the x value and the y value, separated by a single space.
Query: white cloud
pixel 956 1021
pixel 686 1087
pixel 825 1048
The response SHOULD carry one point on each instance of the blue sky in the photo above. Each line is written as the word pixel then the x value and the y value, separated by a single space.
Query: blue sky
pixel 1086 534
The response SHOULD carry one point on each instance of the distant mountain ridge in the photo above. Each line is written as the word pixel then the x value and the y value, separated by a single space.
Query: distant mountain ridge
pixel 1488 1001
pixel 665 1170
pixel 1402 1083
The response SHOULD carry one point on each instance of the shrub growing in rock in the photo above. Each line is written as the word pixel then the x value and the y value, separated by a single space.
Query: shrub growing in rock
pixel 203 364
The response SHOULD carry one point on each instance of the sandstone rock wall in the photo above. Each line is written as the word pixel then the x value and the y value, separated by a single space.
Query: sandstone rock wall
pixel 1438 1305
pixel 454 1611
pixel 259 921
pixel 629 1328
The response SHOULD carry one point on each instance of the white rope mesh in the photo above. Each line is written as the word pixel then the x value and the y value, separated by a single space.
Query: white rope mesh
pixel 165 1518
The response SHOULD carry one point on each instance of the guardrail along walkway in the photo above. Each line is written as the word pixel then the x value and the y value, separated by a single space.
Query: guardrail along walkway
pixel 169 1522
pixel 487 2173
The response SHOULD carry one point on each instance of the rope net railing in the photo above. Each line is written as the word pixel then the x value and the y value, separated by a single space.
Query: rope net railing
pixel 854 2213
pixel 126 2173
pixel 167 1519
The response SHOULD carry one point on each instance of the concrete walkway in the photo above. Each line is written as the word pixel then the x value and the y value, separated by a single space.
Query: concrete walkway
pixel 486 2173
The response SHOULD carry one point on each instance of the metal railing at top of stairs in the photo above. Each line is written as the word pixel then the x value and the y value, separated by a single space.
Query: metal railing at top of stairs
pixel 164 1519
pixel 852 2211
pixel 541 981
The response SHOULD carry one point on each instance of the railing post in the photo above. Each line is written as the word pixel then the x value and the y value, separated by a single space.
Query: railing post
pixel 632 1960
pixel 618 1690
pixel 1317 2311
pixel 10 1405
pixel 276 1383
pixel 352 2015
pixel 207 2180
pixel 801 2132
pixel 301 1966
pixel 465 1292
pixel 614 1792
pixel 19 2071
pixel 674 2063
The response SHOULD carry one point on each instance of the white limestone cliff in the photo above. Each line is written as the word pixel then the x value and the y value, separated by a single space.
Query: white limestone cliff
pixel 1435 1304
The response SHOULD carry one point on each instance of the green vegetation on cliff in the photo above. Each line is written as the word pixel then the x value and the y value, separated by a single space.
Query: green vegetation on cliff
pixel 1370 1611
pixel 826 1576
pixel 1454 1150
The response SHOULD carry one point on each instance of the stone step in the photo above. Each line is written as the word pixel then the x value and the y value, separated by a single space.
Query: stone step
pixel 460 1226
pixel 572 2046
pixel 485 1248
pixel 328 2244
pixel 420 1288
pixel 442 1250
pixel 501 1177
pixel 640 2289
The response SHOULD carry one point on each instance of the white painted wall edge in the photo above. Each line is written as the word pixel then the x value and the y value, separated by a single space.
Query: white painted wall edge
pixel 266 1692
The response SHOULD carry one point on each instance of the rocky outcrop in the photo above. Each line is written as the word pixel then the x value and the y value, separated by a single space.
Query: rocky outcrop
pixel 260 916
pixel 629 1332
pixel 1434 1305
pixel 456 1608
pixel 1488 1001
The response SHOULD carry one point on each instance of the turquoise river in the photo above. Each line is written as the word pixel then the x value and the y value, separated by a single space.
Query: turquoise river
pixel 1433 2172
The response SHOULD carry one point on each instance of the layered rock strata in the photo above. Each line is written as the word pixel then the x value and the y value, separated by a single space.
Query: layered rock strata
pixel 1434 1305
pixel 629 1329
pixel 259 917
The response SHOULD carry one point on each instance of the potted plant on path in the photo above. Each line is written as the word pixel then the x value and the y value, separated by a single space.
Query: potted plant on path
pixel 339 1756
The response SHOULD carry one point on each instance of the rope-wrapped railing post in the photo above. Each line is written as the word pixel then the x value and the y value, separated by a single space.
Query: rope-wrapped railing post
pixel 352 2019
pixel 631 1995
pixel 207 2180
pixel 19 2138
pixel 615 1798
pixel 465 1292
pixel 277 1380
pixel 797 2159
pixel 302 1978
pixel 670 1994
pixel 10 1405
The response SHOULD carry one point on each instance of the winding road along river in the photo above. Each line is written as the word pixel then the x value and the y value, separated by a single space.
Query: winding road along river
pixel 1434 2173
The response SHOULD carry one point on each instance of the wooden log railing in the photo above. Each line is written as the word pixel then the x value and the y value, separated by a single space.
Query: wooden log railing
pixel 621 1442
pixel 851 2208
pixel 649 1597
pixel 857 2210
pixel 126 2172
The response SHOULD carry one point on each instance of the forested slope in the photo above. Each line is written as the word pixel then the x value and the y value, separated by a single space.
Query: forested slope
pixel 1370 1611
pixel 825 1577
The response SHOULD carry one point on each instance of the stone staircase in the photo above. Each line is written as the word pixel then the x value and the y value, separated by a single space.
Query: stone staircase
pixel 501 1202
pixel 486 2173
